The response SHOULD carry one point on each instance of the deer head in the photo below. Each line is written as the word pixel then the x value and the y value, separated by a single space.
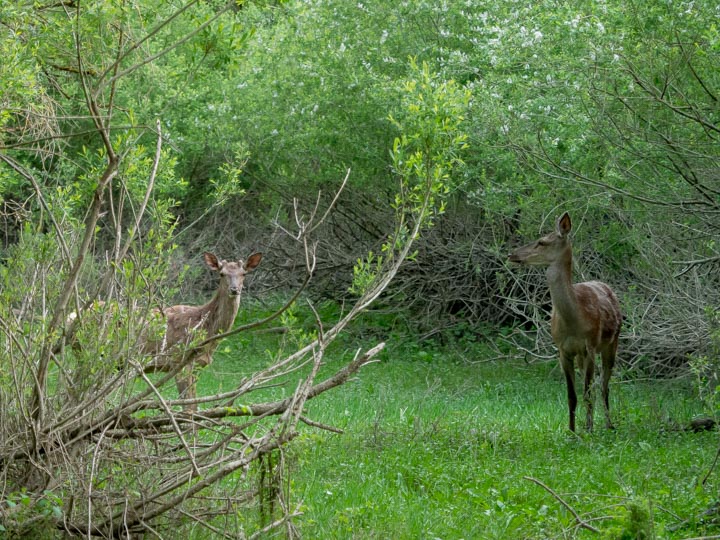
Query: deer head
pixel 547 249
pixel 232 273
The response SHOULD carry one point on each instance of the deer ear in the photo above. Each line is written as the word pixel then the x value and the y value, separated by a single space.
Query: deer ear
pixel 212 261
pixel 563 225
pixel 253 261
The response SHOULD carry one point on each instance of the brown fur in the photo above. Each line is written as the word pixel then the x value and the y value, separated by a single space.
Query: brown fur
pixel 185 323
pixel 586 317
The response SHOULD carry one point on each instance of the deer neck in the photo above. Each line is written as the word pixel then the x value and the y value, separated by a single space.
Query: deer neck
pixel 221 312
pixel 559 277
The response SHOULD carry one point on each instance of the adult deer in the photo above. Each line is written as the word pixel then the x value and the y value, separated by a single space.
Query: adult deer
pixel 585 319
pixel 185 323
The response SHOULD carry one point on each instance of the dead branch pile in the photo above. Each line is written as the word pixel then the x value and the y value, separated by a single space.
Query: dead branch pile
pixel 459 282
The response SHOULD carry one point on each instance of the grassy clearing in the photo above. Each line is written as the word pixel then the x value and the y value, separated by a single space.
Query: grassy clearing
pixel 438 448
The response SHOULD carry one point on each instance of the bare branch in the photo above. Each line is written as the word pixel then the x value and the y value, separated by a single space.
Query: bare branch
pixel 170 47
pixel 582 523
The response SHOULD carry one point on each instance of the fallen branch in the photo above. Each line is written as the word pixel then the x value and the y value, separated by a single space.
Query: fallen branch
pixel 581 523
pixel 137 426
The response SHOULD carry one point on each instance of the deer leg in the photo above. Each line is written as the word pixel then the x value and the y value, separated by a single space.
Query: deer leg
pixel 569 370
pixel 589 366
pixel 185 381
pixel 608 362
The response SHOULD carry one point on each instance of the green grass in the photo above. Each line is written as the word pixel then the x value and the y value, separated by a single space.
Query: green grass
pixel 438 448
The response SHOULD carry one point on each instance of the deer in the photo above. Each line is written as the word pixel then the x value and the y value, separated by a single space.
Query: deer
pixel 184 323
pixel 585 320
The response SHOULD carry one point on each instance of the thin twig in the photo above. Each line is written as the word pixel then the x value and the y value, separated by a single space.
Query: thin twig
pixel 712 467
pixel 332 204
pixel 318 425
pixel 581 522
pixel 174 423
pixel 275 525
